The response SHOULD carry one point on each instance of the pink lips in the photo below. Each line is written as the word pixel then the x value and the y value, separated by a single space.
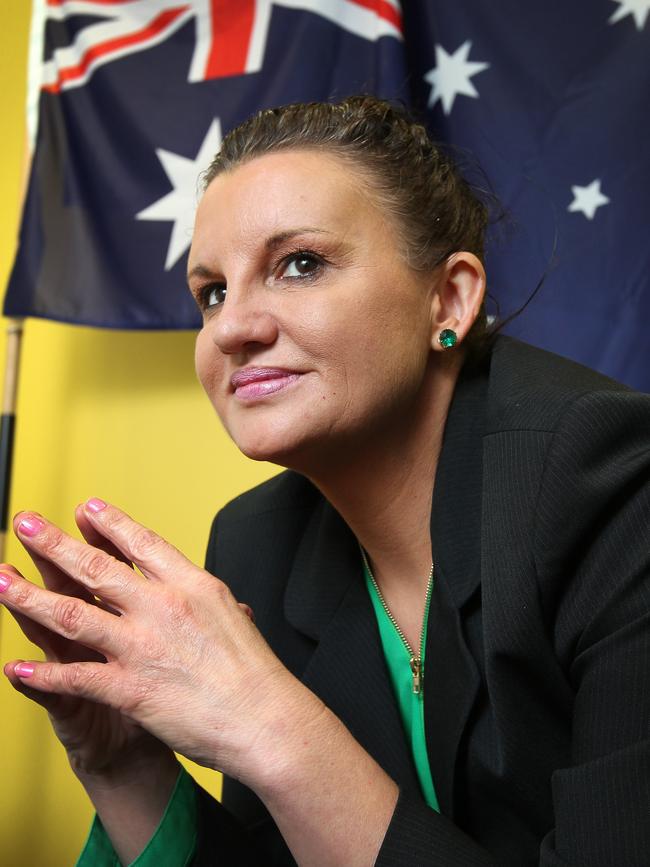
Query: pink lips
pixel 252 383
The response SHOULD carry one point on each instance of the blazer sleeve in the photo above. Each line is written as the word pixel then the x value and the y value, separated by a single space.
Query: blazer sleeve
pixel 223 841
pixel 593 563
pixel 592 555
pixel 230 833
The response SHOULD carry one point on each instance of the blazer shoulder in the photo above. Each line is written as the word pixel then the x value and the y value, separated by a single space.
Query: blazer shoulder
pixel 531 388
pixel 286 491
pixel 270 517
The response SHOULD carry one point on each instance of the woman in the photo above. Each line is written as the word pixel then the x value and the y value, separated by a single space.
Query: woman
pixel 438 674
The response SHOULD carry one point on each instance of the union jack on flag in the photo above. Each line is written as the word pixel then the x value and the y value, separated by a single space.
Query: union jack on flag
pixel 128 101
pixel 230 37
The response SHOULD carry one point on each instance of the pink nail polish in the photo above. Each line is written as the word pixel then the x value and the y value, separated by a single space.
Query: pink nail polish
pixel 95 504
pixel 5 581
pixel 24 669
pixel 30 525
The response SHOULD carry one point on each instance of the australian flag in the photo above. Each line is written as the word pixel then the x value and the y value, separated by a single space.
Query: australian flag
pixel 544 103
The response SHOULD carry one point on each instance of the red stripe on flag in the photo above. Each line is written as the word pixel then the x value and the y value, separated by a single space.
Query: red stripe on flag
pixel 165 19
pixel 383 9
pixel 232 25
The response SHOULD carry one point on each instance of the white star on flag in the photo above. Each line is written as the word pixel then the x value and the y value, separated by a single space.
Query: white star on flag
pixel 638 8
pixel 179 205
pixel 451 76
pixel 588 199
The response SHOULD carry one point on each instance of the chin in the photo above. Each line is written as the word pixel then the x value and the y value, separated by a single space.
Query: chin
pixel 276 447
pixel 286 448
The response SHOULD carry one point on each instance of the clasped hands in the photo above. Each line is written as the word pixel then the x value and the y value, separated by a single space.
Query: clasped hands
pixel 165 654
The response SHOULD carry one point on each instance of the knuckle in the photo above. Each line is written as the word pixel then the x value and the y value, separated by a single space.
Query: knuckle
pixel 144 543
pixel 46 674
pixel 138 694
pixel 180 610
pixel 212 586
pixel 92 564
pixel 123 584
pixel 77 678
pixel 222 591
pixel 51 542
pixel 67 615
pixel 22 594
pixel 73 677
pixel 113 519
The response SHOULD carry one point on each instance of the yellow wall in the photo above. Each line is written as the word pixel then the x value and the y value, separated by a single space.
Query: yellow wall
pixel 113 414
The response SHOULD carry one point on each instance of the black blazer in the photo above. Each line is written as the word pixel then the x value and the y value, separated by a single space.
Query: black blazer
pixel 537 684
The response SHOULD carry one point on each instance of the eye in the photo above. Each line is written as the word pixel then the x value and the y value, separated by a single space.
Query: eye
pixel 301 264
pixel 212 295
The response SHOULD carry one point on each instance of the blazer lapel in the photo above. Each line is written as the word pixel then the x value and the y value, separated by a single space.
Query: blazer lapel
pixel 326 598
pixel 451 677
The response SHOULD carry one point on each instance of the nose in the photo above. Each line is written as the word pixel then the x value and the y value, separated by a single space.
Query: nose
pixel 242 324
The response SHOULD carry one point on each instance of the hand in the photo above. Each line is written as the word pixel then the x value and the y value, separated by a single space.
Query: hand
pixel 99 740
pixel 167 654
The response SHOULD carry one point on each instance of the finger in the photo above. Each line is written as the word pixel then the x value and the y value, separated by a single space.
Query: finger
pixel 50 701
pixel 67 616
pixel 56 580
pixel 38 635
pixel 95 539
pixel 91 680
pixel 53 577
pixel 55 647
pixel 155 557
pixel 52 645
pixel 92 535
pixel 95 570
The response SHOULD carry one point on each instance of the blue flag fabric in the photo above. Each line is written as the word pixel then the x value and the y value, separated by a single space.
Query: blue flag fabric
pixel 549 98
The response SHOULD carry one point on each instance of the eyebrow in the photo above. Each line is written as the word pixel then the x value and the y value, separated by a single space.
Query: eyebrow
pixel 281 237
pixel 201 271
pixel 271 243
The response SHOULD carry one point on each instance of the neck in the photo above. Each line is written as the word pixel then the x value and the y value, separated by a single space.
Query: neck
pixel 383 489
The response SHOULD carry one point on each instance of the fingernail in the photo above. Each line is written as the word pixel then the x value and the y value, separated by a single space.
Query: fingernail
pixel 31 525
pixel 24 669
pixel 95 504
pixel 5 581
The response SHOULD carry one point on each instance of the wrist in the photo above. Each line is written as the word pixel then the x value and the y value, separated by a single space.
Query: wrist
pixel 292 732
pixel 131 806
pixel 326 794
pixel 148 766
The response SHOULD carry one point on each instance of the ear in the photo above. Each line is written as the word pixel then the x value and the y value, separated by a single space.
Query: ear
pixel 458 295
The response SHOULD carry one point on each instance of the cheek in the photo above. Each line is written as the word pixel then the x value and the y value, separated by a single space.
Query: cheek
pixel 208 364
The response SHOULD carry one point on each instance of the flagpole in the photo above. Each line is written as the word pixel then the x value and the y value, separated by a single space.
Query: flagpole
pixel 8 423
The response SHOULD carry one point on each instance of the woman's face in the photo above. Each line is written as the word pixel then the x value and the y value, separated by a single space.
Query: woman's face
pixel 316 335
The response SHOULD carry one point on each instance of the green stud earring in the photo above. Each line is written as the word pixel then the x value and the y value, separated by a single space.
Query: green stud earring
pixel 447 338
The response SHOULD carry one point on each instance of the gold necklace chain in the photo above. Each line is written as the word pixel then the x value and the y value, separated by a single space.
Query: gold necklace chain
pixel 415 660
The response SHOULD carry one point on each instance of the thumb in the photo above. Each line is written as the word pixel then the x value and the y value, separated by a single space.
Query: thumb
pixel 46 700
pixel 247 610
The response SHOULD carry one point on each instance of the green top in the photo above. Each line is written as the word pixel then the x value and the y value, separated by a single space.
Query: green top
pixel 172 844
pixel 174 841
pixel 411 704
